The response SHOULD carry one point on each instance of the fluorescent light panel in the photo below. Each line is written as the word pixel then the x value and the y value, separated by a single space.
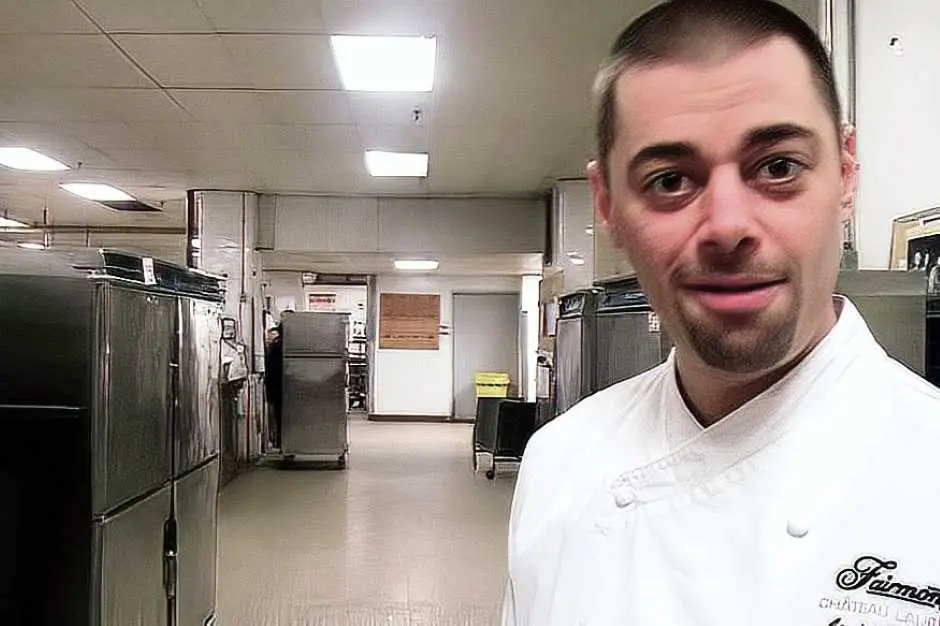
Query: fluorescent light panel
pixel 397 64
pixel 97 192
pixel 397 164
pixel 28 159
pixel 6 222
pixel 416 265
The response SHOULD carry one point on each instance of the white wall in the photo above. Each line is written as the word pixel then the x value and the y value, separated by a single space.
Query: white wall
pixel 289 285
pixel 530 304
pixel 898 120
pixel 575 215
pixel 414 225
pixel 409 382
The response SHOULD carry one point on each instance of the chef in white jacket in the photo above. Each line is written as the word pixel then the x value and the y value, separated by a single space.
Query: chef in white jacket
pixel 779 468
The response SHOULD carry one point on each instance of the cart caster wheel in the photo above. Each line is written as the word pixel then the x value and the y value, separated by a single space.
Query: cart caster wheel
pixel 490 474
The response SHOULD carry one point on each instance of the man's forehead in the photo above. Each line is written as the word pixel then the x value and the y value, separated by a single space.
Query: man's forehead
pixel 768 83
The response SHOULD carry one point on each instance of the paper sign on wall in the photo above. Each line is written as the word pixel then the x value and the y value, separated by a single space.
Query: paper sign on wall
pixel 321 302
pixel 150 277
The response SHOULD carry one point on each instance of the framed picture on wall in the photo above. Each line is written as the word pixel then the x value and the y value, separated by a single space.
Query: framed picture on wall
pixel 923 254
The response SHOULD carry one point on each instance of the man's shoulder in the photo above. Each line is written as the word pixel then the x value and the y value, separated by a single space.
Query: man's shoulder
pixel 597 417
pixel 914 400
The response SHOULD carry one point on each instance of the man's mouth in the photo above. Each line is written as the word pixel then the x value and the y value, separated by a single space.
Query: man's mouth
pixel 734 295
pixel 734 285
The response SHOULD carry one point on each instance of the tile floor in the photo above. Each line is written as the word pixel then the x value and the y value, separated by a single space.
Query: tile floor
pixel 406 536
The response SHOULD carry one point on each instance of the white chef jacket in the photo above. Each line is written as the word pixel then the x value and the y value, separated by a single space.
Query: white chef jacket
pixel 815 504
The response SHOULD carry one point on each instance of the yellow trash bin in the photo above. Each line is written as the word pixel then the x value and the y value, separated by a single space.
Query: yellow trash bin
pixel 492 385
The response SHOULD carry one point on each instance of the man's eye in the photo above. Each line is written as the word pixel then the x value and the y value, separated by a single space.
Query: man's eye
pixel 669 184
pixel 780 169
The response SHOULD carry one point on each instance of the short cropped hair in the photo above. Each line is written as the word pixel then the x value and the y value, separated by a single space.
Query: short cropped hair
pixel 680 30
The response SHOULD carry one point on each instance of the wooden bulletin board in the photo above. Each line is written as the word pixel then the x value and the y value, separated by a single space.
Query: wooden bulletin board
pixel 409 321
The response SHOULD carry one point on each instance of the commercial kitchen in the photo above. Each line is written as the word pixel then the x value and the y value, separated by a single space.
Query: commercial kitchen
pixel 286 287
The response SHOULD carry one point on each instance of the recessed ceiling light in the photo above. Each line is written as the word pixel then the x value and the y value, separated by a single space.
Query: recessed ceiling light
pixel 397 164
pixel 28 245
pixel 28 159
pixel 416 266
pixel 97 192
pixel 403 64
pixel 6 222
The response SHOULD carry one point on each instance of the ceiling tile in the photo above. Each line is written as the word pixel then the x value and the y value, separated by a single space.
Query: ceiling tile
pixel 264 15
pixel 148 16
pixel 231 106
pixel 307 107
pixel 333 138
pixel 65 61
pixel 184 60
pixel 92 105
pixel 103 134
pixel 395 138
pixel 285 61
pixel 380 17
pixel 378 109
pixel 45 16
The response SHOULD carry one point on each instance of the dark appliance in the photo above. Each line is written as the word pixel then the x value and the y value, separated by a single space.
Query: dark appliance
pixel 629 337
pixel 574 349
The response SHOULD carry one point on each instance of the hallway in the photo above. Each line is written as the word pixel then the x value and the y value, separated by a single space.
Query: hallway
pixel 407 536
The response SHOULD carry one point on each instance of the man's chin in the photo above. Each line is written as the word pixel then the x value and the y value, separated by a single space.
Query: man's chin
pixel 754 348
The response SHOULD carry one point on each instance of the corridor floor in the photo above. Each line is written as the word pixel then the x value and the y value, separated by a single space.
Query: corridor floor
pixel 406 536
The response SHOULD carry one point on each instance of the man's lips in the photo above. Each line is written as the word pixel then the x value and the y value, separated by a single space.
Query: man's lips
pixel 734 295
pixel 731 284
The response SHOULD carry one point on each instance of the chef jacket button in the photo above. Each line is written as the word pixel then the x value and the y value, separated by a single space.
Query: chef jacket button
pixel 797 528
pixel 624 497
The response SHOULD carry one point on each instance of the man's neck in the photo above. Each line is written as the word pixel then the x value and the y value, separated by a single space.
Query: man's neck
pixel 711 394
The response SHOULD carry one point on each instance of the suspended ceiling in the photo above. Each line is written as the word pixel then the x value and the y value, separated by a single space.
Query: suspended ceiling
pixel 157 97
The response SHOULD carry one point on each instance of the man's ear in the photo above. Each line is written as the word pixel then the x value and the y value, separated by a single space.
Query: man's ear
pixel 599 192
pixel 850 169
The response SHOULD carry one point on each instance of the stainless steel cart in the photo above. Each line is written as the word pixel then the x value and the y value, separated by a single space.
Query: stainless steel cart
pixel 315 420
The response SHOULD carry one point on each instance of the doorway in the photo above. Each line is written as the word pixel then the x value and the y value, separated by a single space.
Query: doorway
pixel 486 339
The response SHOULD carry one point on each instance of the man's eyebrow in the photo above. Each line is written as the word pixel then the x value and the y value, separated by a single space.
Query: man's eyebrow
pixel 769 135
pixel 662 151
pixel 759 137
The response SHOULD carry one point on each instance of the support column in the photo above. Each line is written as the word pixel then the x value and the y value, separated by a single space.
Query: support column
pixel 222 227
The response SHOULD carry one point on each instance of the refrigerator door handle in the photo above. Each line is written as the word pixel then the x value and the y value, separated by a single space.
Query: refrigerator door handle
pixel 170 558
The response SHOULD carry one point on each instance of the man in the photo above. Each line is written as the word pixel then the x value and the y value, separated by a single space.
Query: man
pixel 274 383
pixel 779 468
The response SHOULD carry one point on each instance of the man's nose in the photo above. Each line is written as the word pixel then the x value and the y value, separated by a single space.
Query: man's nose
pixel 729 224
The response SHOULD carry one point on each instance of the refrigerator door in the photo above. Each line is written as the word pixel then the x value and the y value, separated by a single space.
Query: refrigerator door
pixel 196 432
pixel 130 565
pixel 314 412
pixel 45 517
pixel 574 361
pixel 131 422
pixel 196 496
pixel 315 333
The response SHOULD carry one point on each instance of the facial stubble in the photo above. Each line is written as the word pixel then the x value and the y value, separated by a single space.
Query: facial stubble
pixel 744 348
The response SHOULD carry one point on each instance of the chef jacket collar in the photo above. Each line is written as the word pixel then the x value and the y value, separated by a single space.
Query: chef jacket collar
pixel 752 427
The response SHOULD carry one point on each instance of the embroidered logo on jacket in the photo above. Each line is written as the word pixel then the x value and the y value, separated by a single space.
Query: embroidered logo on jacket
pixel 873 575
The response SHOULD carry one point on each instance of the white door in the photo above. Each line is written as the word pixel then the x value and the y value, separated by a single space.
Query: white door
pixel 486 339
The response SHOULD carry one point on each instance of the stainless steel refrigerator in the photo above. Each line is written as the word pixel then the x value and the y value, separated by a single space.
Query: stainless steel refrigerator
pixel 315 405
pixel 108 403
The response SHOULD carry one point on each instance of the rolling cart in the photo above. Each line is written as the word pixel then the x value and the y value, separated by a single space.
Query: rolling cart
pixel 315 394
pixel 502 430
